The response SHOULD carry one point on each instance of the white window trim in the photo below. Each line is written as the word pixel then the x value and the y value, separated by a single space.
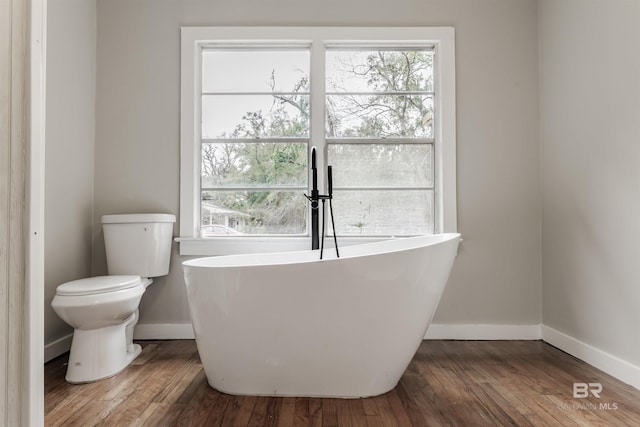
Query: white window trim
pixel 192 38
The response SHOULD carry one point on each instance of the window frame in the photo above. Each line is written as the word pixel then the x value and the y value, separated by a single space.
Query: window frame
pixel 318 38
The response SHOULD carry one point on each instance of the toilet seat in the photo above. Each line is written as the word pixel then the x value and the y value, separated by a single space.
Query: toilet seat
pixel 98 285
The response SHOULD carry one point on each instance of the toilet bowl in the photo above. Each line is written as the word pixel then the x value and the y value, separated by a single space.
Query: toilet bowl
pixel 103 310
pixel 100 309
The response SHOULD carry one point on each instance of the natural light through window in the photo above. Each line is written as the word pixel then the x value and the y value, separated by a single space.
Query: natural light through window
pixel 378 104
pixel 379 129
pixel 255 134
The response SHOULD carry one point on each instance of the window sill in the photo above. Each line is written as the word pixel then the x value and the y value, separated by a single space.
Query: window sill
pixel 215 246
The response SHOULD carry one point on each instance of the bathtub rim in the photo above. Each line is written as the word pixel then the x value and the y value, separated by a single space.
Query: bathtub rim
pixel 388 245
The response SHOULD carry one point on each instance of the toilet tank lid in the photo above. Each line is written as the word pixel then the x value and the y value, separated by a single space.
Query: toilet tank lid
pixel 126 218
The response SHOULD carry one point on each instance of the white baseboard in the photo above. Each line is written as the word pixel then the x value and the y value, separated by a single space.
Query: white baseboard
pixel 482 332
pixel 612 365
pixel 58 347
pixel 163 331
pixel 184 331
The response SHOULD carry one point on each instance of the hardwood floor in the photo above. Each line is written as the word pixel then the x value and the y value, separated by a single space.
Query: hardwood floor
pixel 452 383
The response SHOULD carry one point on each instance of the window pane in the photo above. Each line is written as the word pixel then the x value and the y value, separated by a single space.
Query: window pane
pixel 253 116
pixel 381 165
pixel 384 212
pixel 379 116
pixel 227 70
pixel 254 164
pixel 254 212
pixel 379 71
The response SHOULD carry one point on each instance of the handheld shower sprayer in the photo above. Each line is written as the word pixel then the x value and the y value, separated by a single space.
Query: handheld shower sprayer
pixel 314 198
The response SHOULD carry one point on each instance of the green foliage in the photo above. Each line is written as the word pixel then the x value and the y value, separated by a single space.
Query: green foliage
pixel 259 164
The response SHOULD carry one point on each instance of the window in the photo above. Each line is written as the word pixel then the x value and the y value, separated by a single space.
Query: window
pixel 378 103
pixel 254 139
pixel 379 134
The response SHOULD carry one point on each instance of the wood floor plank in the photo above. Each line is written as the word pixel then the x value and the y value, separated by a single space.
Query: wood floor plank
pixel 196 411
pixel 383 409
pixel 72 408
pixel 356 412
pixel 329 413
pixel 500 409
pixel 343 414
pixel 265 412
pixel 399 412
pixel 151 409
pixel 371 412
pixel 416 407
pixel 287 412
pixel 301 417
pixel 245 409
pixel 448 383
pixel 216 415
pixel 315 412
pixel 450 396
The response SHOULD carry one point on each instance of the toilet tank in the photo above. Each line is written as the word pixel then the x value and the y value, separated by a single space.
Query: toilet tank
pixel 138 244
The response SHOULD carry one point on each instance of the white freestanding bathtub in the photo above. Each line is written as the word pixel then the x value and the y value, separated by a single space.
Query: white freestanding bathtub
pixel 289 324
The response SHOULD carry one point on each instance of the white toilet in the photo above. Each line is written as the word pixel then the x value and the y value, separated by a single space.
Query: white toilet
pixel 104 310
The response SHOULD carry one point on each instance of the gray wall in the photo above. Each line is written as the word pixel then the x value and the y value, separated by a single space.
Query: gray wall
pixel 69 149
pixel 496 279
pixel 590 162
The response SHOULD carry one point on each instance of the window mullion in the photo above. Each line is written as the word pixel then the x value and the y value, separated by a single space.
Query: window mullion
pixel 250 93
pixel 385 188
pixel 269 139
pixel 384 93
pixel 317 122
pixel 254 188
pixel 376 141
